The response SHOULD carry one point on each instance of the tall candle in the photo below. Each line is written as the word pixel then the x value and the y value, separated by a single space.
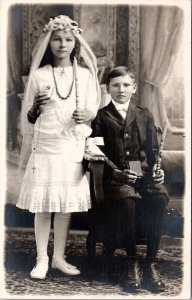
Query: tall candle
pixel 76 83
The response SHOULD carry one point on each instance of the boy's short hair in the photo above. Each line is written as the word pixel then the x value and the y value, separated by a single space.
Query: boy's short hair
pixel 119 71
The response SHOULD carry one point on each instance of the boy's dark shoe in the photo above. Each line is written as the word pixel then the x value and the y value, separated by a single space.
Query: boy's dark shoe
pixel 152 279
pixel 134 278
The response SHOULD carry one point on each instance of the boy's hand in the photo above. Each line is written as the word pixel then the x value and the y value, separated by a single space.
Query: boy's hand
pixel 82 115
pixel 118 176
pixel 131 176
pixel 159 176
pixel 125 177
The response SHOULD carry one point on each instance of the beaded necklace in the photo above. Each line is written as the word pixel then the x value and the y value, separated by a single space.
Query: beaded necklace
pixel 35 140
pixel 56 87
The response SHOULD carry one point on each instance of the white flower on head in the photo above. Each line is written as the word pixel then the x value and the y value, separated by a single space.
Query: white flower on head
pixel 62 23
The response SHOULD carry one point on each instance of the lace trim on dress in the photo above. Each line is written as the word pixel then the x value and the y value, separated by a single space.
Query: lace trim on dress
pixel 58 198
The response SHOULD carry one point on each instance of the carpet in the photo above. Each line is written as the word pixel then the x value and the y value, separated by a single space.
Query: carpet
pixel 94 280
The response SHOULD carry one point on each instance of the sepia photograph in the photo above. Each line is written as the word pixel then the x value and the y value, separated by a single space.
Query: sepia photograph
pixel 95 167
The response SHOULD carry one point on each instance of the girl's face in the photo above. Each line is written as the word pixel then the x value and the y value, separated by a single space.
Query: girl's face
pixel 121 88
pixel 62 44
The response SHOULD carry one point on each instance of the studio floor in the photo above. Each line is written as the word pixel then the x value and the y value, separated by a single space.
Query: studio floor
pixel 93 281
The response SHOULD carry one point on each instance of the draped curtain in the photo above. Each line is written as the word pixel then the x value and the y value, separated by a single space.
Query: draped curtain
pixel 14 82
pixel 160 36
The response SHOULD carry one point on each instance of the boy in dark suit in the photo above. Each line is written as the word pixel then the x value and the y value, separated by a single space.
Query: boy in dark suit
pixel 130 141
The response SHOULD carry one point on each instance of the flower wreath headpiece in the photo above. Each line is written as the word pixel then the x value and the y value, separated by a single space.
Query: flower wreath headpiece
pixel 63 23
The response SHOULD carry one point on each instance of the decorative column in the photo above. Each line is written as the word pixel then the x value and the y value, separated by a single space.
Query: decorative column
pixel 122 34
pixel 111 35
pixel 133 48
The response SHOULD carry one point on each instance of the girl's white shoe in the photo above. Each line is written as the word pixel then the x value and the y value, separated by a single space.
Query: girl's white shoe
pixel 40 270
pixel 65 267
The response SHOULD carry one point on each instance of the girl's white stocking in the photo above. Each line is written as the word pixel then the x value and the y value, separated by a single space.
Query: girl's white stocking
pixel 61 229
pixel 42 231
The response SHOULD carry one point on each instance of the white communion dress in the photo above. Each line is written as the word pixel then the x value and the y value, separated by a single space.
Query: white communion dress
pixel 55 179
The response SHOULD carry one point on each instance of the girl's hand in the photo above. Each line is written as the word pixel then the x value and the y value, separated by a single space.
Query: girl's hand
pixel 82 116
pixel 40 100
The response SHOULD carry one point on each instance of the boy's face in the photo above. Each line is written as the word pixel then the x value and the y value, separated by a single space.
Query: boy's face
pixel 121 88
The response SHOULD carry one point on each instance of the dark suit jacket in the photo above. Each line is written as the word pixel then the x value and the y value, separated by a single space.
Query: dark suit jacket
pixel 126 140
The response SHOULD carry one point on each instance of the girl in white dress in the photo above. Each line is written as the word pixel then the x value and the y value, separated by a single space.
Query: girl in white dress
pixel 61 98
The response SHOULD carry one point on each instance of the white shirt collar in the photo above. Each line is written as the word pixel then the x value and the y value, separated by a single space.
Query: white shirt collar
pixel 121 106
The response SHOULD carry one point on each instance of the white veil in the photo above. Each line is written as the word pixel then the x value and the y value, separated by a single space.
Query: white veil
pixel 37 55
